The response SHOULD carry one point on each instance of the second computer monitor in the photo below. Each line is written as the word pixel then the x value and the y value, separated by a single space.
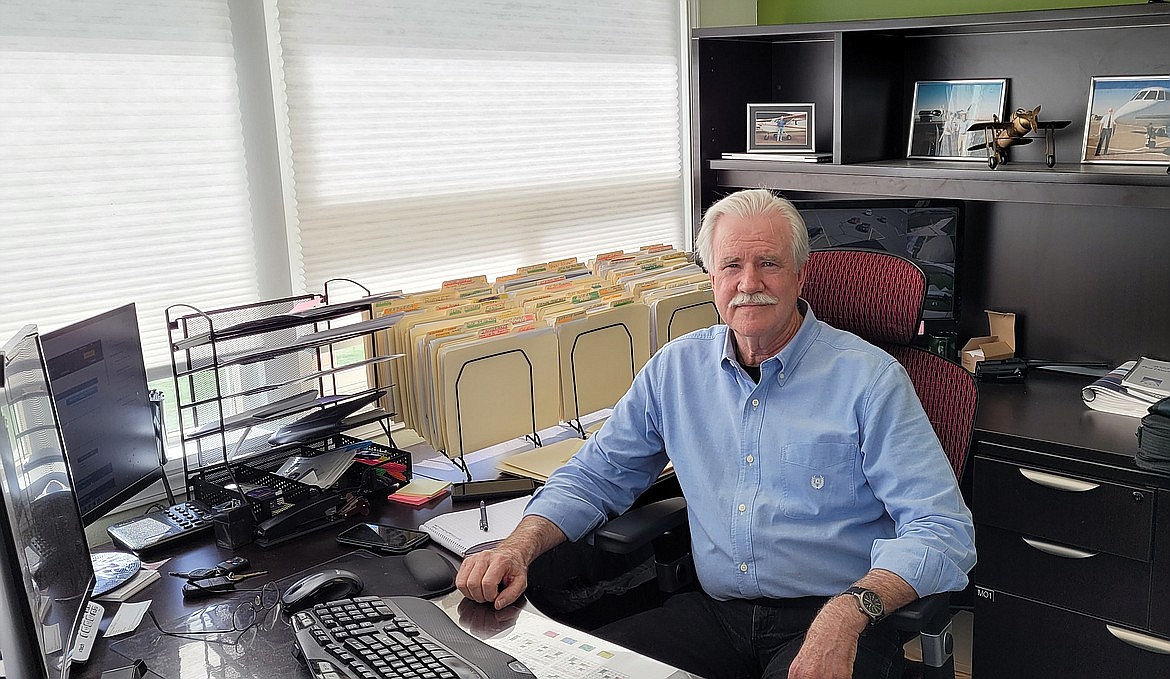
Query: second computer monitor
pixel 99 384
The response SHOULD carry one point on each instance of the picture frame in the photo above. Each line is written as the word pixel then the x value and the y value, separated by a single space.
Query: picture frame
pixel 1127 120
pixel 941 112
pixel 781 128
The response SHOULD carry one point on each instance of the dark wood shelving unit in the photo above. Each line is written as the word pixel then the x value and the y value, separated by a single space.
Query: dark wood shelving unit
pixel 1078 251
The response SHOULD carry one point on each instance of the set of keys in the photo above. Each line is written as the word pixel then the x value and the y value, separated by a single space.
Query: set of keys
pixel 222 577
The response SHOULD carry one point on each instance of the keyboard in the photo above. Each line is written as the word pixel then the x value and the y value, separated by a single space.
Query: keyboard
pixel 87 632
pixel 161 527
pixel 374 637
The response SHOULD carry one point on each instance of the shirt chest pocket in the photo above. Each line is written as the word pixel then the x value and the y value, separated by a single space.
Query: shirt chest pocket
pixel 818 480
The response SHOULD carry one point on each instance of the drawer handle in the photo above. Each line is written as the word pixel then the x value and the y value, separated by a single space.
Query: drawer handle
pixel 1057 550
pixel 1142 641
pixel 1057 482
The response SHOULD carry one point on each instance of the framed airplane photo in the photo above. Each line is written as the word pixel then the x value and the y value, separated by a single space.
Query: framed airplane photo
pixel 781 128
pixel 1127 120
pixel 944 109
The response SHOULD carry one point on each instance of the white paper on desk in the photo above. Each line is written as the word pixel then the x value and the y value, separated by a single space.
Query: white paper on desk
pixel 555 651
pixel 127 618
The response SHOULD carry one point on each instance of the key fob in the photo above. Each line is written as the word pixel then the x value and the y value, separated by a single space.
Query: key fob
pixel 197 589
pixel 232 565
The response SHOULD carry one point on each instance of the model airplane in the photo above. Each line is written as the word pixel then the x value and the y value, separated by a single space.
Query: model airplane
pixel 998 136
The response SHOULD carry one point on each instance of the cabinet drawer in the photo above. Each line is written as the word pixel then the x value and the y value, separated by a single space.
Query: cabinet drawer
pixel 1016 637
pixel 1091 514
pixel 1096 583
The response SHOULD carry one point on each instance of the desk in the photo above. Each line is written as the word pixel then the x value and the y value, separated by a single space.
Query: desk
pixel 280 562
pixel 1074 551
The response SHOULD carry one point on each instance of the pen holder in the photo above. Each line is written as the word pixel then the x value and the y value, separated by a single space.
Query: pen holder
pixel 233 527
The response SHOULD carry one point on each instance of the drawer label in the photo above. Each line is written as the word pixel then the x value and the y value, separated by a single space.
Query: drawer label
pixel 984 593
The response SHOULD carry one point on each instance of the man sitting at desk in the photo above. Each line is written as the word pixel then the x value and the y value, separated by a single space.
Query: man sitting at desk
pixel 808 466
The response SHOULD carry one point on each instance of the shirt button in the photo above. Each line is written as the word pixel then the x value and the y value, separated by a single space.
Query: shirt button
pixel 751 459
pixel 743 508
pixel 755 403
pixel 743 568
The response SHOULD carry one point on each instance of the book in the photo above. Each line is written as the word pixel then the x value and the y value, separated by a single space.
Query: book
pixel 460 531
pixel 1109 395
pixel 1150 376
pixel 787 157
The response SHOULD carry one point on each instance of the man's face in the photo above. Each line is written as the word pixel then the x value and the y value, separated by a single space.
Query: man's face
pixel 753 276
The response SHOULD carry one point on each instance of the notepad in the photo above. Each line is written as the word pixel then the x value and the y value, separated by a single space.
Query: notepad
pixel 460 531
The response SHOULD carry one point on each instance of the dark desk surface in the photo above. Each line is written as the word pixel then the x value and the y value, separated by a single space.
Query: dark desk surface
pixel 280 561
pixel 1047 415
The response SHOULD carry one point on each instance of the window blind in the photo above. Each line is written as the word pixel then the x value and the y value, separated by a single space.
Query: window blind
pixel 433 140
pixel 123 176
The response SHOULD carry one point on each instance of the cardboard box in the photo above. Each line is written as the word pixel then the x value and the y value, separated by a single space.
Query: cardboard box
pixel 1001 343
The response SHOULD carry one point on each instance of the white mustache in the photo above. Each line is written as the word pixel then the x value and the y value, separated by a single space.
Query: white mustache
pixel 744 299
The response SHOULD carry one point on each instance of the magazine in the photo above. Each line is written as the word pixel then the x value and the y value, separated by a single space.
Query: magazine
pixel 1109 395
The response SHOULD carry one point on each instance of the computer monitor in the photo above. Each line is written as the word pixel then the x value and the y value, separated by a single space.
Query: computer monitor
pixel 46 578
pixel 98 379
pixel 925 231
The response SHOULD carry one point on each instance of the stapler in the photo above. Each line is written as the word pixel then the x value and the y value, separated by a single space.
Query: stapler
pixel 301 518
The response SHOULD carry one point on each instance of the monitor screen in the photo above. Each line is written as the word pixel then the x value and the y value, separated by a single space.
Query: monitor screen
pixel 99 384
pixel 925 231
pixel 46 576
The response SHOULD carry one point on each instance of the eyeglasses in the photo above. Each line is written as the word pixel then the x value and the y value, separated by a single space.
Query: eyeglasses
pixel 247 615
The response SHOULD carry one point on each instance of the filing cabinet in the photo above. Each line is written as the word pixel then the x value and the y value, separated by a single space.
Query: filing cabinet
pixel 1073 578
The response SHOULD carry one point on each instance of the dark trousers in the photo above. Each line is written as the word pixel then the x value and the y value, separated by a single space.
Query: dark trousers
pixel 742 639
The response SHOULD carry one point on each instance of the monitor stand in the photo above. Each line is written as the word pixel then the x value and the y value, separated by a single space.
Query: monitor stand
pixel 113 569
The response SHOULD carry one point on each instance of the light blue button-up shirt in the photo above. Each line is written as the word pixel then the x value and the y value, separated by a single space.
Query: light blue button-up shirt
pixel 795 486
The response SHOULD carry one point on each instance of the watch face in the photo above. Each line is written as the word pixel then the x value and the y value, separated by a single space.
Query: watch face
pixel 872 604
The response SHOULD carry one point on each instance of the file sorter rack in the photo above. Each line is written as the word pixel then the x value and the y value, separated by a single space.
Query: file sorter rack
pixel 243 372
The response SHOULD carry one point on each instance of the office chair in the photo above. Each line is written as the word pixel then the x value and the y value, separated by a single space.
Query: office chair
pixel 879 297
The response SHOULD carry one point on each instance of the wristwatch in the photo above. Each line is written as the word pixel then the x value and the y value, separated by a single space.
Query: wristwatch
pixel 868 602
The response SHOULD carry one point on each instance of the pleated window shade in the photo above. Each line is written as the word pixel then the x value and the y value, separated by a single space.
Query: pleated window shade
pixel 433 140
pixel 123 174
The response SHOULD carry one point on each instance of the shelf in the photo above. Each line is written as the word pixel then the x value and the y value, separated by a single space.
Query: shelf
pixel 998 22
pixel 1066 183
pixel 279 322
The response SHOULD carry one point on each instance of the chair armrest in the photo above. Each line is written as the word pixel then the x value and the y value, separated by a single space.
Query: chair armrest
pixel 640 526
pixel 927 614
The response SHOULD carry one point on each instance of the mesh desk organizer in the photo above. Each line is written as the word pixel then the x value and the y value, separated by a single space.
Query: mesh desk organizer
pixel 257 384
pixel 267 644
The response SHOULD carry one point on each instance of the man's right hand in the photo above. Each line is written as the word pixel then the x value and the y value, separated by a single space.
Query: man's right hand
pixel 497 576
pixel 500 575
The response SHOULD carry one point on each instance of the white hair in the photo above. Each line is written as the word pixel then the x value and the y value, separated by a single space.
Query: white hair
pixel 752 203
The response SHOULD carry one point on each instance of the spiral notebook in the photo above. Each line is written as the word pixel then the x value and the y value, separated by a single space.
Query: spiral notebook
pixel 460 532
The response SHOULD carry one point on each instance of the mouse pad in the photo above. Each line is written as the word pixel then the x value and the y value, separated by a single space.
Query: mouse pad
pixel 422 573
pixel 267 644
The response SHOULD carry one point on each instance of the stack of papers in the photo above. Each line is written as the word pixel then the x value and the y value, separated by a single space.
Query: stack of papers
pixel 419 491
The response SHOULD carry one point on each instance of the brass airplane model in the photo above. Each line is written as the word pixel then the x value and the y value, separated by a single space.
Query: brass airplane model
pixel 999 136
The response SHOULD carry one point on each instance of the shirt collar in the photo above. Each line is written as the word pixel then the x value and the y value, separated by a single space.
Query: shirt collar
pixel 789 355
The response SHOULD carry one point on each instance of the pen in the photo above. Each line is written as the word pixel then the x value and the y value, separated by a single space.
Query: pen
pixel 483 524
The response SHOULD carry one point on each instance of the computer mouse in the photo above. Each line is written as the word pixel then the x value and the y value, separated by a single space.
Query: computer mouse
pixel 430 570
pixel 325 585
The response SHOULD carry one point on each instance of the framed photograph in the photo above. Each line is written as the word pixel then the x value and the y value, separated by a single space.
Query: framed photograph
pixel 1127 120
pixel 781 128
pixel 944 109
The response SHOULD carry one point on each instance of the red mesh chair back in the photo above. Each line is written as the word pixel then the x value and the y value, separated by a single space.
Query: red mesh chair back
pixel 879 297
